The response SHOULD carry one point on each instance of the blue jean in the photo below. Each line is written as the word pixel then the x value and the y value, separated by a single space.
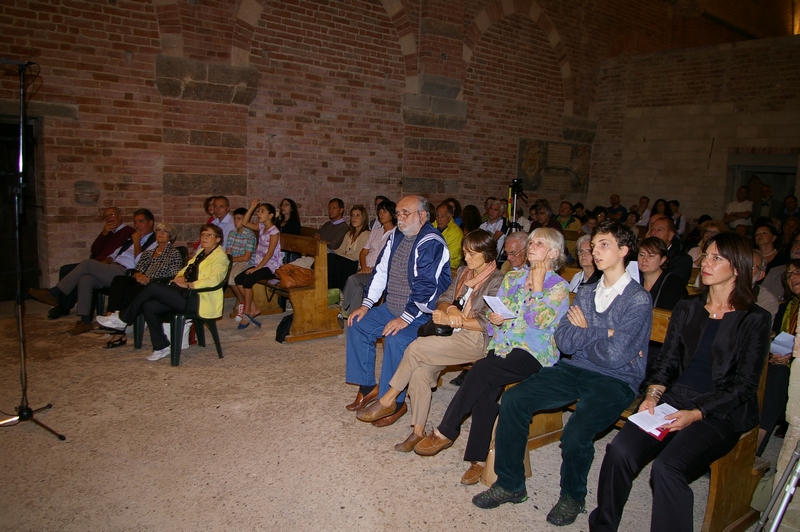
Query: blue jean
pixel 360 350
pixel 601 400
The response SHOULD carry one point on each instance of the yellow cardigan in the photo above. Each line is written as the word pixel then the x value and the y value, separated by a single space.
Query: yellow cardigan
pixel 213 270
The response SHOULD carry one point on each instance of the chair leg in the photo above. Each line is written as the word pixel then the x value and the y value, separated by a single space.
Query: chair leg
pixel 99 303
pixel 176 338
pixel 212 326
pixel 138 331
pixel 199 332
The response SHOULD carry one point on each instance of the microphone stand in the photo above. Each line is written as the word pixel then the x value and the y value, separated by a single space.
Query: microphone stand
pixel 24 412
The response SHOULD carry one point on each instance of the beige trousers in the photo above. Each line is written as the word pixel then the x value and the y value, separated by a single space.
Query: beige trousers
pixel 425 358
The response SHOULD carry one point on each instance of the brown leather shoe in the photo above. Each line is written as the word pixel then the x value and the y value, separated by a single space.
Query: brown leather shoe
pixel 473 474
pixel 42 295
pixel 389 420
pixel 408 445
pixel 432 444
pixel 363 400
pixel 375 411
pixel 81 328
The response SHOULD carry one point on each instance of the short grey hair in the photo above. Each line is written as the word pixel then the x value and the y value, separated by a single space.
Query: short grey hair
pixel 169 228
pixel 425 206
pixel 556 242
pixel 517 235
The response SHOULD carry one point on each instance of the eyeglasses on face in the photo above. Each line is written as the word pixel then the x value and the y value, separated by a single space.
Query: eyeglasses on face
pixel 791 273
pixel 404 214
pixel 515 253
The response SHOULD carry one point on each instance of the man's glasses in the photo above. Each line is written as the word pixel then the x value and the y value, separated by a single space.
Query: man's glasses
pixel 404 214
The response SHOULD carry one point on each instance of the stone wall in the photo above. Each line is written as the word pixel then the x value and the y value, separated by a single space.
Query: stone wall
pixel 165 102
pixel 669 122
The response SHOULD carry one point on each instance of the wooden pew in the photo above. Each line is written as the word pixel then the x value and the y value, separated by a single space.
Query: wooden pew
pixel 733 477
pixel 312 316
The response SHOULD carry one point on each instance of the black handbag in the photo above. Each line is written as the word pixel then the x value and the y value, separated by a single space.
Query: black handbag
pixel 432 329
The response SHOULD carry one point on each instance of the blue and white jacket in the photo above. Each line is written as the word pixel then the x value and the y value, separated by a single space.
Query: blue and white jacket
pixel 428 271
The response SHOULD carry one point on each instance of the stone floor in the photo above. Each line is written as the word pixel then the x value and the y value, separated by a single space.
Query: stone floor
pixel 256 441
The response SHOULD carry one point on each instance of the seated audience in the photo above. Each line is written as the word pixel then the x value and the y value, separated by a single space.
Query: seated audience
pixel 335 228
pixel 487 203
pixel 776 389
pixel 496 224
pixel 288 220
pixel 519 347
pixel 665 288
pixel 354 287
pixel 661 207
pixel 790 227
pixel 588 274
pixel 604 332
pixel 156 265
pixel 764 298
pixel 240 245
pixel 451 232
pixel 677 218
pixel 738 212
pixel 90 275
pixel 343 262
pixel 580 212
pixel 791 208
pixel 644 212
pixel 706 230
pixel 523 222
pixel 456 210
pixel 413 269
pixel 376 222
pixel 206 269
pixel 208 208
pixel 463 310
pixel 543 216
pixel 515 251
pixel 471 219
pixel 679 262
pixel 765 236
pixel 222 216
pixel 632 220
pixel 112 236
pixel 565 218
pixel 601 213
pixel 774 281
pixel 709 370
pixel 589 224
pixel 267 259
pixel 617 211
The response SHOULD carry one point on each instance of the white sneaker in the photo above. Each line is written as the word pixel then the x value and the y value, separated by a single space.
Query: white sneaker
pixel 112 321
pixel 158 355
pixel 239 312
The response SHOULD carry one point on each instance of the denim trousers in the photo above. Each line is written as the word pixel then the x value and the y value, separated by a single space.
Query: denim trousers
pixel 360 349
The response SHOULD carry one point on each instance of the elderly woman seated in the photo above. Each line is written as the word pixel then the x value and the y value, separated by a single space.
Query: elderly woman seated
pixel 157 265
pixel 206 269
pixel 462 311
pixel 520 346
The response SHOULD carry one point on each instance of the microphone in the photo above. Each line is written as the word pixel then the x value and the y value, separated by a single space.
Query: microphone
pixel 6 61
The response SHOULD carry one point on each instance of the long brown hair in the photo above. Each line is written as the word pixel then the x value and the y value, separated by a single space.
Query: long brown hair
pixel 739 253
pixel 355 231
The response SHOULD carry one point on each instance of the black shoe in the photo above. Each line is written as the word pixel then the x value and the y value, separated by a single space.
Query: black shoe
pixel 459 378
pixel 780 432
pixel 56 312
pixel 566 511
pixel 495 496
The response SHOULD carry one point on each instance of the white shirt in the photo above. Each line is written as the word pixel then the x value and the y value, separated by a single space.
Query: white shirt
pixel 226 224
pixel 126 259
pixel 604 296
pixel 644 219
pixel 492 228
pixel 739 206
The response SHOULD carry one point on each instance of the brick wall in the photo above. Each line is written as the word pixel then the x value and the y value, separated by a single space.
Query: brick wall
pixel 162 103
pixel 670 120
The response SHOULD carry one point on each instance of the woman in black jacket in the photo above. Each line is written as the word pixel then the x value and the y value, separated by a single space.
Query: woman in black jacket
pixel 709 369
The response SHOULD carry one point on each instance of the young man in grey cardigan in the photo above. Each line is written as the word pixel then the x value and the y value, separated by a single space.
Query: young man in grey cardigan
pixel 605 336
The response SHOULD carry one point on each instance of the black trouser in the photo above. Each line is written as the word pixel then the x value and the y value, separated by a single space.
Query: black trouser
pixel 478 395
pixel 776 395
pixel 67 301
pixel 124 289
pixel 154 302
pixel 681 456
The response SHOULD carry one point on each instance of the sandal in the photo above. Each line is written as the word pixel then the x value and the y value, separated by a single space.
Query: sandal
pixel 118 342
pixel 243 325
pixel 252 320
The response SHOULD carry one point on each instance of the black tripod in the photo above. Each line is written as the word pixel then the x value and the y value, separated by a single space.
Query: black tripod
pixel 24 412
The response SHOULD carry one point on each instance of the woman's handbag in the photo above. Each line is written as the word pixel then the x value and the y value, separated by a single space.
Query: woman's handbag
pixel 432 329
pixel 292 276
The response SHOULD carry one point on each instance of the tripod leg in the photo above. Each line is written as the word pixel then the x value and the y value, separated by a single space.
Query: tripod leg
pixel 48 429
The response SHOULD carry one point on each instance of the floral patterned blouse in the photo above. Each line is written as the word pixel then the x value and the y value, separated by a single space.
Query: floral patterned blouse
pixel 538 314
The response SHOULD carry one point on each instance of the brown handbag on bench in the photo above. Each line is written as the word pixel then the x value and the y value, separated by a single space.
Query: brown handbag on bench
pixel 292 276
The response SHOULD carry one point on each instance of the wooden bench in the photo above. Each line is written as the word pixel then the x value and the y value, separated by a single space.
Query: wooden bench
pixel 733 477
pixel 313 318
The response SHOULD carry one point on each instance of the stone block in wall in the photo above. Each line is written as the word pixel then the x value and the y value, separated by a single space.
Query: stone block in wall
pixel 440 86
pixel 434 145
pixel 444 106
pixel 425 186
pixel 208 82
pixel 576 129
pixel 193 184
pixel 431 111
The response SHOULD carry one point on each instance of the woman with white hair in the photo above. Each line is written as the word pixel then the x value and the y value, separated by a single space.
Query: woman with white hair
pixel 519 347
